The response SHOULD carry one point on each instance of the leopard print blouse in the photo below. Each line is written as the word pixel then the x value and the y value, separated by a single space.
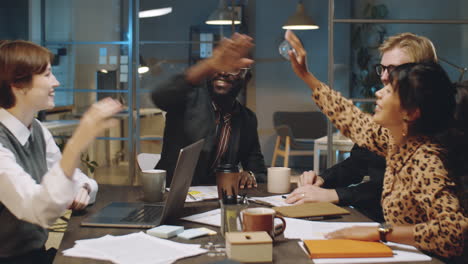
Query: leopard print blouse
pixel 417 189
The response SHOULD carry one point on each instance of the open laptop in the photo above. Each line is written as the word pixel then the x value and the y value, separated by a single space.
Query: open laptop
pixel 144 215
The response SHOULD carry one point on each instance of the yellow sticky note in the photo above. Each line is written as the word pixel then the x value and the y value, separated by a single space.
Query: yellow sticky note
pixel 210 232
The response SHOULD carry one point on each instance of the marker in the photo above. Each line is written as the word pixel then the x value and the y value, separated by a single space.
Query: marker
pixel 284 196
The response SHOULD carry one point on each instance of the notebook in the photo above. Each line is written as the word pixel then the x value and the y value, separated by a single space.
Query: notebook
pixel 346 248
pixel 311 210
pixel 144 215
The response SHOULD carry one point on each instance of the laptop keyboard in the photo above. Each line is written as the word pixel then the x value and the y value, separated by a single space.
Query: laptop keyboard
pixel 144 214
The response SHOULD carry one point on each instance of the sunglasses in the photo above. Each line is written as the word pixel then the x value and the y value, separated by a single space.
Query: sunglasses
pixel 379 69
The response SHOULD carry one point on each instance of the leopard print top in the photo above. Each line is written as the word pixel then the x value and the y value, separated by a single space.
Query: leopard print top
pixel 417 189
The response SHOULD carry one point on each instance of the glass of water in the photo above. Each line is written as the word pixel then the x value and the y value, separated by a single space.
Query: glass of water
pixel 284 48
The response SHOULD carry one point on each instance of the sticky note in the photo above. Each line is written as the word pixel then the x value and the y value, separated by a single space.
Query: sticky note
pixel 193 233
pixel 210 232
pixel 165 231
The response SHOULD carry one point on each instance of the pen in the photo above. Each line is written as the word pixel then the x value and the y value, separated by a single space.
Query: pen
pixel 284 196
pixel 191 196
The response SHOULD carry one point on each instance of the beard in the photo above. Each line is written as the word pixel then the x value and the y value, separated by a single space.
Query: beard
pixel 225 100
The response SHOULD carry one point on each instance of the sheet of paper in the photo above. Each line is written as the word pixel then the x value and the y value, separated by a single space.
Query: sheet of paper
pixel 275 200
pixel 201 193
pixel 303 229
pixel 133 248
pixel 212 218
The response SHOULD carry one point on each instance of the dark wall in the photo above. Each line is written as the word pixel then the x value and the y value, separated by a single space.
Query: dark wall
pixel 14 19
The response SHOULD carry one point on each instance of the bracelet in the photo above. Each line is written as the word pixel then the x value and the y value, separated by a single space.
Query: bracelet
pixel 384 229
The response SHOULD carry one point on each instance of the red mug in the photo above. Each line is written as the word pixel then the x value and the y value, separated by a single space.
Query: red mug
pixel 262 219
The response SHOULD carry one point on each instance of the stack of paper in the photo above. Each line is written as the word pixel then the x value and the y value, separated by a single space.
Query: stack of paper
pixel 212 218
pixel 275 200
pixel 201 193
pixel 133 248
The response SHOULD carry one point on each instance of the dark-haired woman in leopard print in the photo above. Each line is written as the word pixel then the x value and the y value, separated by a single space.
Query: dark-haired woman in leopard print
pixel 419 200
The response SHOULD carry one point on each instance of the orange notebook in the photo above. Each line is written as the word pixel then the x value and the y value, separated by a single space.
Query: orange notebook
pixel 346 248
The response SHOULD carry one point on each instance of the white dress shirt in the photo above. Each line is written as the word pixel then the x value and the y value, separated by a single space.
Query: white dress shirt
pixel 42 203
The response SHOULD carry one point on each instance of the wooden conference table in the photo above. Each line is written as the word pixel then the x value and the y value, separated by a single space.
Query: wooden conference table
pixel 284 250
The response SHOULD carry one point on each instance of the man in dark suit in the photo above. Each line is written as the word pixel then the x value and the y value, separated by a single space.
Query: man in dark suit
pixel 211 111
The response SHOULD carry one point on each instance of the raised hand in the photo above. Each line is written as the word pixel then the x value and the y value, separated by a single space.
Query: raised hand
pixel 230 55
pixel 95 120
pixel 299 57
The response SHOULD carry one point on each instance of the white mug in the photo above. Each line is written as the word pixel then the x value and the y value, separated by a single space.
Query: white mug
pixel 154 185
pixel 279 180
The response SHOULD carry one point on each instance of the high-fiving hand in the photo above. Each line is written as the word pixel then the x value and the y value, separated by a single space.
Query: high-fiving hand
pixel 231 54
pixel 95 120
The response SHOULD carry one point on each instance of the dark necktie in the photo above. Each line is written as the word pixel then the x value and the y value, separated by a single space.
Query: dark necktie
pixel 223 138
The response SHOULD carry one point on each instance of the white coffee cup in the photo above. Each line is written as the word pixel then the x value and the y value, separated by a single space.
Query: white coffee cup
pixel 279 180
pixel 154 184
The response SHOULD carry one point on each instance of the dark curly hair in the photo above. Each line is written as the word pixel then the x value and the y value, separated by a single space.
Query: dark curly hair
pixel 425 87
pixel 457 142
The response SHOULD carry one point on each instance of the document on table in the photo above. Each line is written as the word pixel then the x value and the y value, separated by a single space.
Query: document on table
pixel 275 200
pixel 133 248
pixel 212 218
pixel 201 193
pixel 303 229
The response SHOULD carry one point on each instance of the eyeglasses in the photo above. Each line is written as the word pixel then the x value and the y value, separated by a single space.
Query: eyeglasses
pixel 240 73
pixel 379 69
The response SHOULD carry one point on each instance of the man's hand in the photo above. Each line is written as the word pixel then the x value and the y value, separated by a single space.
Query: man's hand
pixel 312 194
pixel 310 178
pixel 229 56
pixel 81 200
pixel 366 233
pixel 247 179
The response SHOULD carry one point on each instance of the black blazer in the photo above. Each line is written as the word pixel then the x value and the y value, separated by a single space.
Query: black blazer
pixel 346 177
pixel 190 117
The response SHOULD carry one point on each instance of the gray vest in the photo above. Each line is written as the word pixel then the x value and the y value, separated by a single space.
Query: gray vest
pixel 16 236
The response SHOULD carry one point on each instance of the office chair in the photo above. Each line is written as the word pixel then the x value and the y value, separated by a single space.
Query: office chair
pixel 296 132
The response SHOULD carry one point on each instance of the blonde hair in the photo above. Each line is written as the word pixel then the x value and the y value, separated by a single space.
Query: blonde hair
pixel 418 48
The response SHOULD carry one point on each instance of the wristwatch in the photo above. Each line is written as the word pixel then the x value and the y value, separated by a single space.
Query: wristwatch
pixel 87 187
pixel 251 174
pixel 384 229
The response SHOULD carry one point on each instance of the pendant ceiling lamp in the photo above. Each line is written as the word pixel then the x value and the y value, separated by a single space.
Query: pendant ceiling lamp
pixel 155 12
pixel 143 67
pixel 223 15
pixel 300 20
